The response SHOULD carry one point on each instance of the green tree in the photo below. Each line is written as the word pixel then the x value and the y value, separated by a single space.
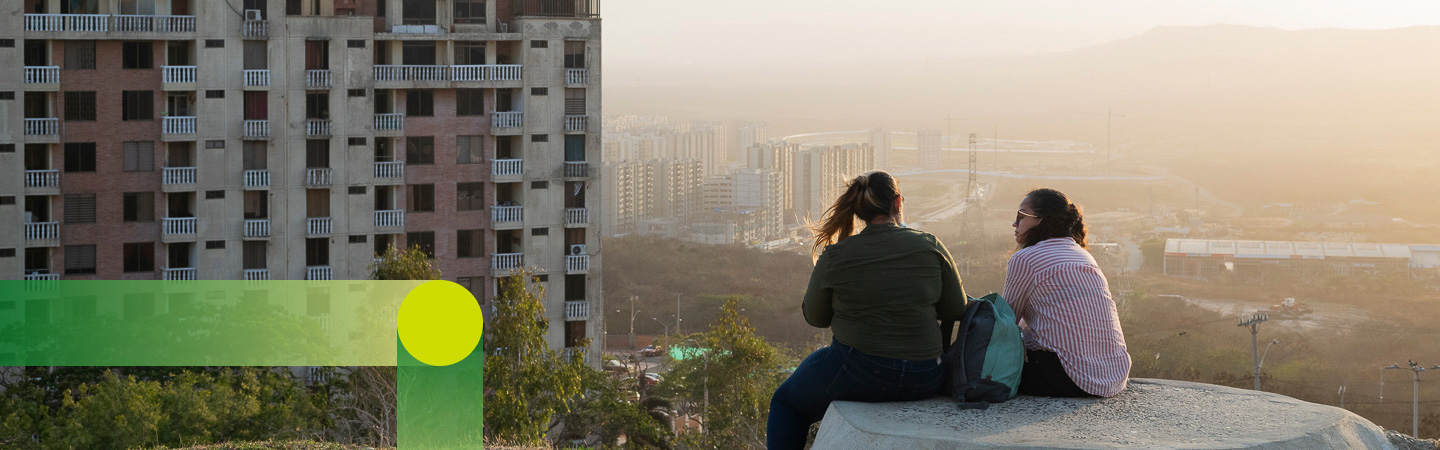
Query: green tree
pixel 410 264
pixel 529 386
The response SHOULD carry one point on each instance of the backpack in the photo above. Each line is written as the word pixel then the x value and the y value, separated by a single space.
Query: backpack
pixel 983 365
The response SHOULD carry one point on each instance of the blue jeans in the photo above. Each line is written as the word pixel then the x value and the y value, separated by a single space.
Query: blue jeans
pixel 839 372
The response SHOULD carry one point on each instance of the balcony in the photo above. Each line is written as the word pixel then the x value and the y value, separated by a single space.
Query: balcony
pixel 257 228
pixel 319 226
pixel 177 75
pixel 506 261
pixel 577 124
pixel 257 78
pixel 391 218
pixel 389 122
pixel 256 274
pixel 162 24
pixel 42 231
pixel 317 79
pixel 504 72
pixel 42 276
pixel 105 23
pixel 577 310
pixel 507 167
pixel 178 125
pixel 506 119
pixel 42 74
pixel 467 73
pixel 317 127
pixel 390 169
pixel 183 274
pixel 67 22
pixel 178 175
pixel 42 127
pixel 255 29
pixel 576 76
pixel 317 176
pixel 319 273
pixel 256 179
pixel 411 73
pixel 486 72
pixel 42 179
pixel 507 214
pixel 179 226
pixel 577 169
pixel 416 29
pixel 256 129
pixel 577 264
pixel 577 217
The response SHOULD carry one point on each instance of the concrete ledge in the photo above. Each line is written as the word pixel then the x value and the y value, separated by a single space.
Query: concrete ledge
pixel 1148 414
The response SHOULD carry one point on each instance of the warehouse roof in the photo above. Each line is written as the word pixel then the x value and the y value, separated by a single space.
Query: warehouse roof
pixel 1291 250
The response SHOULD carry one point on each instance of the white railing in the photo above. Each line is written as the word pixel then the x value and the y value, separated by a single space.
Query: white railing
pixel 257 77
pixel 577 216
pixel 177 74
pixel 389 218
pixel 577 310
pixel 175 24
pixel 505 214
pixel 42 127
pixel 42 276
pixel 185 274
pixel 318 78
pixel 163 24
pixel 35 231
pixel 577 264
pixel 42 74
pixel 577 123
pixel 257 178
pixel 319 273
pixel 502 167
pixel 504 72
pixel 317 176
pixel 390 169
pixel 257 128
pixel 44 22
pixel 179 175
pixel 257 228
pixel 319 225
pixel 577 169
pixel 178 125
pixel 407 72
pixel 256 29
pixel 389 121
pixel 67 22
pixel 576 76
pixel 179 225
pixel 257 274
pixel 467 73
pixel 317 127
pixel 42 178
pixel 417 28
pixel 506 119
pixel 507 261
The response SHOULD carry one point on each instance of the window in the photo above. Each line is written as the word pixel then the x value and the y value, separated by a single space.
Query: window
pixel 253 155
pixel 469 102
pixel 539 138
pixel 79 106
pixel 214 43
pixel 419 150
pixel 422 197
pixel 253 255
pixel 139 156
pixel 7 43
pixel 469 11
pixel 468 150
pixel 423 239
pixel 139 207
pixel 539 91
pixel 7 253
pixel 574 54
pixel 383 242
pixel 542 278
pixel 574 148
pixel 215 144
pixel 79 208
pixel 214 195
pixel 138 105
pixel 215 93
pixel 317 252
pixel 214 245
pixel 7 200
pixel 540 231
pixel 356 92
pixel 574 333
pixel 317 105
pixel 355 43
pixel 7 95
pixel 356 141
pixel 79 259
pixel 469 196
pixel 317 54
pixel 469 53
pixel 539 185
pixel 539 44
pixel 574 102
pixel 469 244
pixel 420 103
pixel 7 148
pixel 357 190
pixel 138 55
pixel 80 157
pixel 79 55
pixel 358 239
pixel 317 153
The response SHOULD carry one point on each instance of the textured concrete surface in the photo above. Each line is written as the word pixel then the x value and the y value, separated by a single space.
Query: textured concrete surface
pixel 1148 414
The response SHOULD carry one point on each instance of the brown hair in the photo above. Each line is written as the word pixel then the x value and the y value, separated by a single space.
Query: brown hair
pixel 1058 218
pixel 866 197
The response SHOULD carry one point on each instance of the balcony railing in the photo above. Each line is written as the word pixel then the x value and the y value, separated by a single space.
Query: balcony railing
pixel 257 129
pixel 177 74
pixel 317 176
pixel 577 169
pixel 257 228
pixel 319 225
pixel 504 72
pixel 317 79
pixel 179 175
pixel 42 74
pixel 390 169
pixel 42 127
pixel 42 276
pixel 104 22
pixel 183 274
pixel 507 261
pixel 577 217
pixel 257 78
pixel 424 28
pixel 319 273
pixel 507 214
pixel 39 231
pixel 577 264
pixel 392 218
pixel 317 127
pixel 256 29
pixel 163 24
pixel 179 225
pixel 257 178
pixel 411 73
pixel 507 167
pixel 506 119
pixel 389 121
pixel 178 125
pixel 577 310
pixel 257 274
pixel 42 178
pixel 467 73
pixel 577 123
pixel 576 76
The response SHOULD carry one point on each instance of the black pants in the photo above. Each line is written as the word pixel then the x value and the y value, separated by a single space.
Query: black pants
pixel 1044 376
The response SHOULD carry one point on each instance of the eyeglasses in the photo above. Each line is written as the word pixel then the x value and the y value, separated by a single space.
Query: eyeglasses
pixel 1022 214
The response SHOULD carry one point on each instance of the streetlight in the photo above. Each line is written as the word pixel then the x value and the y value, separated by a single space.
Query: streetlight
pixel 663 324
pixel 1262 362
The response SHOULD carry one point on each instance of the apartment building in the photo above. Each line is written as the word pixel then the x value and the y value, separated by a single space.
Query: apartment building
pixel 821 174
pixel 294 139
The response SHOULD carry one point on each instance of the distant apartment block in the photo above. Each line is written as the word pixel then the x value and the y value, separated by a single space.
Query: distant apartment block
pixel 821 174
pixel 928 148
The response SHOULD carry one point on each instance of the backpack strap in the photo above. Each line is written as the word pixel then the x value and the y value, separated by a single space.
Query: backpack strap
pixel 960 341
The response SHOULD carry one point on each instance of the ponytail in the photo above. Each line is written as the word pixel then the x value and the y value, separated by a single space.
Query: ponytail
pixel 1058 218
pixel 866 197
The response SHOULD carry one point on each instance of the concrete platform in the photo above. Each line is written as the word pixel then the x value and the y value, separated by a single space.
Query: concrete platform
pixel 1148 414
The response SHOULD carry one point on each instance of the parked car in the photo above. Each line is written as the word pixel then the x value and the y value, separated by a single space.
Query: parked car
pixel 615 366
pixel 650 350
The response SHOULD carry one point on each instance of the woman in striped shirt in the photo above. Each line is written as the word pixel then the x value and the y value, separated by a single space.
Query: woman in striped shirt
pixel 1074 346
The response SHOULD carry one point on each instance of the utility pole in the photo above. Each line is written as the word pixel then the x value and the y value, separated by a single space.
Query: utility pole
pixel 1415 402
pixel 632 322
pixel 677 314
pixel 1254 323
pixel 1342 397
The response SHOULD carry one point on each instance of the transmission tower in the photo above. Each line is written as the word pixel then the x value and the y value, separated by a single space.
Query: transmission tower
pixel 972 224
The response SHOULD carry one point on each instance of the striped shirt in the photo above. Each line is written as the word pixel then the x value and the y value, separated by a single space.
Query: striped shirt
pixel 1063 303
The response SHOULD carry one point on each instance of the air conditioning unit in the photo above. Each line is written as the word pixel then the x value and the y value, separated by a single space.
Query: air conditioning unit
pixel 253 14
pixel 577 249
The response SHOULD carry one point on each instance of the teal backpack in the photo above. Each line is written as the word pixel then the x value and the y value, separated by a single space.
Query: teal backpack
pixel 982 365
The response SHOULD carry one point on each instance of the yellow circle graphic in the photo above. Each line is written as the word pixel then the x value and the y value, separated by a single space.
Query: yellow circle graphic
pixel 440 323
